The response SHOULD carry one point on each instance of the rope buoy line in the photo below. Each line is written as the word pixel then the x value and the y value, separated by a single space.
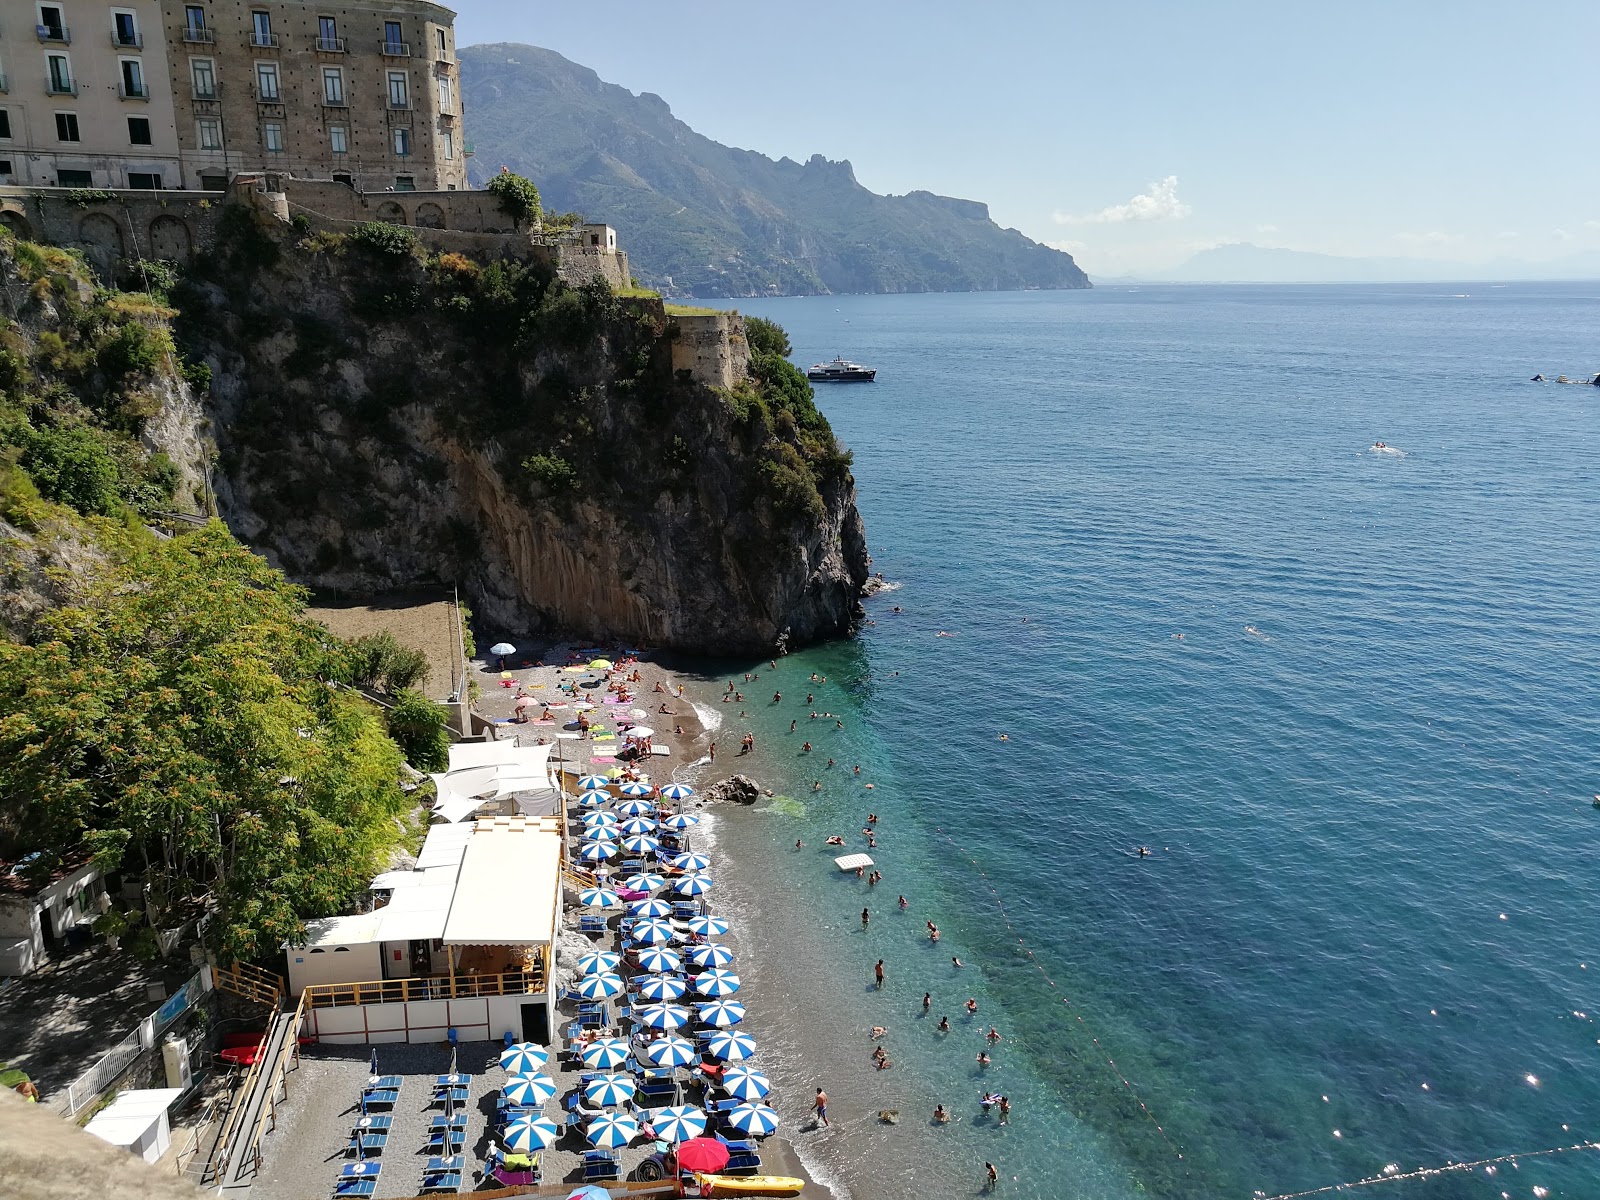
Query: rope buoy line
pixel 1393 1174
pixel 1043 974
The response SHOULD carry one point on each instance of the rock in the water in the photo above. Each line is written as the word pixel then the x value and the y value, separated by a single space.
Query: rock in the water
pixel 737 789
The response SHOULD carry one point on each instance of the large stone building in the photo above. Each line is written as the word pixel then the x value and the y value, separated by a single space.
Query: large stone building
pixel 168 94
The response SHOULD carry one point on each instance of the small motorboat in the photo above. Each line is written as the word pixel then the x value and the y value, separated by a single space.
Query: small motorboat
pixel 840 370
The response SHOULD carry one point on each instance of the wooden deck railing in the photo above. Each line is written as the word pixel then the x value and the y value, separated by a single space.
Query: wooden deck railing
pixel 431 987
pixel 288 1052
pixel 251 982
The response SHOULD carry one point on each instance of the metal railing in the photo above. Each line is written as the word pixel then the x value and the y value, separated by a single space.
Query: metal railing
pixel 400 103
pixel 133 91
pixel 430 987
pixel 333 45
pixel 395 49
pixel 190 1151
pixel 61 87
pixel 198 33
pixel 264 41
pixel 214 92
pixel 230 1129
pixel 127 41
pixel 290 1049
pixel 58 34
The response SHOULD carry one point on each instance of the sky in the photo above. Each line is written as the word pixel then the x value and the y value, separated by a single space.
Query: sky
pixel 1134 133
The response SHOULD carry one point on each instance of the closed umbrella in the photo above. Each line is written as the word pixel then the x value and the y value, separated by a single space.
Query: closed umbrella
pixel 708 926
pixel 600 987
pixel 598 962
pixel 692 862
pixel 610 1090
pixel 716 983
pixel 678 1123
pixel 598 851
pixel 636 789
pixel 731 1045
pixel 599 897
pixel 530 1091
pixel 524 1058
pixel 745 1083
pixel 703 1154
pixel 604 1054
pixel 681 821
pixel 693 885
pixel 677 791
pixel 637 825
pixel 612 1131
pixel 634 807
pixel 662 1016
pixel 671 1052
pixel 721 1013
pixel 660 959
pixel 594 783
pixel 652 933
pixel 712 954
pixel 528 1132
pixel 652 907
pixel 644 881
pixel 640 843
pixel 661 987
pixel 756 1119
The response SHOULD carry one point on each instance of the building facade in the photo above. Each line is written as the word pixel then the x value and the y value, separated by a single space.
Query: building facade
pixel 367 94
pixel 85 101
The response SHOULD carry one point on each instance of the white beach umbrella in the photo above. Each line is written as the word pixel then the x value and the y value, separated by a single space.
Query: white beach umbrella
pixel 501 649
pixel 677 791
pixel 712 954
pixel 731 1046
pixel 745 1083
pixel 652 933
pixel 634 807
pixel 644 881
pixel 671 1052
pixel 708 926
pixel 721 1013
pixel 599 897
pixel 594 783
pixel 681 821
pixel 716 983
pixel 640 843
pixel 524 1058
pixel 600 987
pixel 636 789
pixel 526 1133
pixel 604 1054
pixel 756 1119
pixel 663 1016
pixel 610 1090
pixel 693 885
pixel 660 959
pixel 612 1131
pixel 678 1123
pixel 529 1091
pixel 660 987
pixel 597 962
pixel 639 731
pixel 692 862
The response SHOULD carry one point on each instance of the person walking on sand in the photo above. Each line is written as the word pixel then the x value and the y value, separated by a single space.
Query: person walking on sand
pixel 822 1107
pixel 877 973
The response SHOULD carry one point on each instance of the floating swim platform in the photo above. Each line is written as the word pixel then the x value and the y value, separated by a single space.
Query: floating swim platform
pixel 851 862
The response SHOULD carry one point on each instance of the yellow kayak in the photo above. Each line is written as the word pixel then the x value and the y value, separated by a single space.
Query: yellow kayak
pixel 749 1185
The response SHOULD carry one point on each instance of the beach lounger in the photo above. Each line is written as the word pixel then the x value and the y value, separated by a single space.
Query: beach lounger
pixel 355 1187
pixel 600 1164
pixel 363 1144
pixel 387 1098
pixel 383 1083
pixel 442 1174
pixel 358 1179
pixel 591 925
pixel 448 1140
pixel 742 1164
pixel 455 1095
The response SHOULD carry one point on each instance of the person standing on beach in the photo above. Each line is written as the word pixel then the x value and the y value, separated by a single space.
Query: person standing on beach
pixel 877 973
pixel 822 1107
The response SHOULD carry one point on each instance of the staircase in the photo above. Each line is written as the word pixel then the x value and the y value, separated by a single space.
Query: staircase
pixel 239 1157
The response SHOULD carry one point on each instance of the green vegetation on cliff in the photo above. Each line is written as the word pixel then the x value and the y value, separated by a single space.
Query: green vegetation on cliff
pixel 701 218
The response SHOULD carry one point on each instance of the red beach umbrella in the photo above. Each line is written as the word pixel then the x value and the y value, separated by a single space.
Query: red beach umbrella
pixel 702 1154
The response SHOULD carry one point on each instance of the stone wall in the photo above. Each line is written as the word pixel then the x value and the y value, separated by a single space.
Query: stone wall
pixel 172 225
pixel 711 347
pixel 578 265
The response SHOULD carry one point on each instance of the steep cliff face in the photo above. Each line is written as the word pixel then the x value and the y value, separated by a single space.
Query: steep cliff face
pixel 386 418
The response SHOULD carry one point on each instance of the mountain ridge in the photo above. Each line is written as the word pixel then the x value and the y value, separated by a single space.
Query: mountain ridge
pixel 702 218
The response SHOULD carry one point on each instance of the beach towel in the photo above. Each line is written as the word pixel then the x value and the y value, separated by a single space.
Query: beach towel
pixel 603 758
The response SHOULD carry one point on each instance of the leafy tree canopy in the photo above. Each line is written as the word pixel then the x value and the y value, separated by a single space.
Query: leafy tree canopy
pixel 519 198
pixel 766 337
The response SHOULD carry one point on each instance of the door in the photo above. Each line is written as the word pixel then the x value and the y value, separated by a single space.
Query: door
pixel 536 1024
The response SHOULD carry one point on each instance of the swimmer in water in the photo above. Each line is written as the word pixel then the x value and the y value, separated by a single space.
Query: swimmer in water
pixel 1004 737
pixel 1143 851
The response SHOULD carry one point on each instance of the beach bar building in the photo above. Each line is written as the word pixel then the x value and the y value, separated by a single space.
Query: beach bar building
pixel 464 943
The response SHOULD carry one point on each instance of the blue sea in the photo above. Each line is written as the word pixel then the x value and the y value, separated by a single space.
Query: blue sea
pixel 1349 700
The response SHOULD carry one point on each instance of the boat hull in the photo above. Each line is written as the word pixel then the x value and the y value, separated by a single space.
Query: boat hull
pixel 746 1185
pixel 842 377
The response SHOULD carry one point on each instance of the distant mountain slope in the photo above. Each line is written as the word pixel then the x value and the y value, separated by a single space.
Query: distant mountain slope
pixel 701 218
pixel 1241 262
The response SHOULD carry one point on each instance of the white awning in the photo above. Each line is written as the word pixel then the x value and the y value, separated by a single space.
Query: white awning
pixel 444 847
pixel 418 913
pixel 465 755
pixel 509 889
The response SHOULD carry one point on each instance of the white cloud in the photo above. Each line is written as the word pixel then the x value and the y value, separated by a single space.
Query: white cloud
pixel 1161 203
pixel 1591 224
pixel 1561 235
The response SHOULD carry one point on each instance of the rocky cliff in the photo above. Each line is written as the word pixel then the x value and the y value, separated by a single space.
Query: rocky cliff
pixel 386 417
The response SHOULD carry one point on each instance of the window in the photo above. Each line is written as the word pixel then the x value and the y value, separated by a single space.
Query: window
pixel 5 123
pixel 448 140
pixel 261 29
pixel 133 79
pixel 123 29
pixel 338 139
pixel 139 131
pixel 144 181
pixel 205 79
pixel 66 178
pixel 194 23
pixel 333 85
pixel 60 73
pixel 5 167
pixel 399 90
pixel 405 183
pixel 391 37
pixel 444 94
pixel 272 137
pixel 67 127
pixel 328 34
pixel 439 34
pixel 402 141
pixel 267 83
pixel 210 135
pixel 51 25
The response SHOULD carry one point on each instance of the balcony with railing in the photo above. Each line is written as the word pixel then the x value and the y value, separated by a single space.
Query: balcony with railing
pixel 327 45
pixel 54 86
pixel 127 41
pixel 341 100
pixel 198 33
pixel 135 89
pixel 58 35
pixel 264 41
pixel 211 91
pixel 394 49
pixel 399 103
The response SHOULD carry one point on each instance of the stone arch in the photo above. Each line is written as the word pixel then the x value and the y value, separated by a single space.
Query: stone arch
pixel 17 224
pixel 170 238
pixel 391 212
pixel 101 232
pixel 429 216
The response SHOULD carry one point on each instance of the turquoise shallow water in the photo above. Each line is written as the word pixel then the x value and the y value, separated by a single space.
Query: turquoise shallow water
pixel 1366 768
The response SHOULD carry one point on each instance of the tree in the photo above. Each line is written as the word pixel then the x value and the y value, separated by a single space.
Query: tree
pixel 519 198
pixel 416 723
pixel 766 337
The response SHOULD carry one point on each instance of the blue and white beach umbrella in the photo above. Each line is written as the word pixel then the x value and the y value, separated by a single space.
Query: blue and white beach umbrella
pixel 653 907
pixel 612 1131
pixel 745 1083
pixel 610 1090
pixel 662 1016
pixel 644 881
pixel 652 933
pixel 636 808
pixel 601 833
pixel 671 1052
pixel 603 817
pixel 660 959
pixel 604 1054
pixel 530 1091
pixel 692 862
pixel 524 1058
pixel 598 851
pixel 591 783
pixel 598 962
pixel 600 987
pixel 756 1119
pixel 638 825
pixel 661 987
pixel 693 885
pixel 640 843
pixel 636 789
pixel 681 821
pixel 721 1013
pixel 678 1123
pixel 528 1132
pixel 712 954
pixel 594 799
pixel 677 791
pixel 731 1045
pixel 716 983
pixel 708 926
pixel 599 897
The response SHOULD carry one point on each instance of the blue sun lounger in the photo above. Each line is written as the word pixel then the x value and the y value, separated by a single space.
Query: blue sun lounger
pixel 442 1174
